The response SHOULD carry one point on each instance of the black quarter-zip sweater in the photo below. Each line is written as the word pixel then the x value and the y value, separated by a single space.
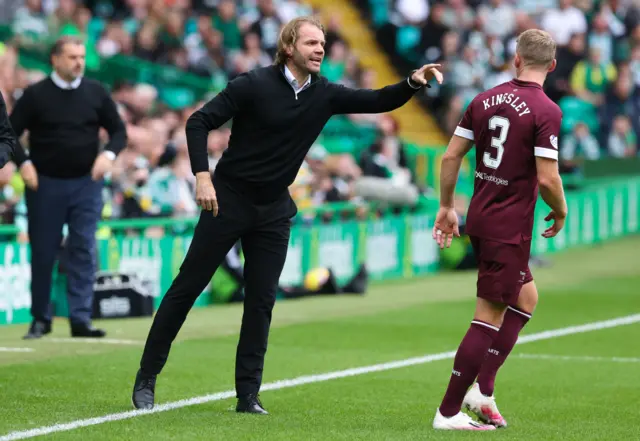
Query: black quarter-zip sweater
pixel 274 127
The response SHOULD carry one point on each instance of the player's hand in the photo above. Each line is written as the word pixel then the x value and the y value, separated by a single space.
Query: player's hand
pixel 102 165
pixel 446 226
pixel 426 73
pixel 29 175
pixel 558 224
pixel 205 193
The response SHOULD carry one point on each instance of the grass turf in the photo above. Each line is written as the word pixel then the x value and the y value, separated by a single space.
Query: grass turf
pixel 542 398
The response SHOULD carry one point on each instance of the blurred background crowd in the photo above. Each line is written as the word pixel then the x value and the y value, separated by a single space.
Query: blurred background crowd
pixel 596 83
pixel 213 40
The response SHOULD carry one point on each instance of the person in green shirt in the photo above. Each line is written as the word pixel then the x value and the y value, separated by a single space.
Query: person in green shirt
pixel 334 65
pixel 226 22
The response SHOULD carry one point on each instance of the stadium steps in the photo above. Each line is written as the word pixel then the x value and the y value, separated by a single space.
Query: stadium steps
pixel 417 125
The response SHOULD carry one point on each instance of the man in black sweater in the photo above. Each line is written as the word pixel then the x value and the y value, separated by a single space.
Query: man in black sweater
pixel 64 179
pixel 7 137
pixel 277 113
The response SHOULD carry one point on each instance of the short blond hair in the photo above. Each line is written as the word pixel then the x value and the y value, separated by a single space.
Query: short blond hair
pixel 536 48
pixel 289 35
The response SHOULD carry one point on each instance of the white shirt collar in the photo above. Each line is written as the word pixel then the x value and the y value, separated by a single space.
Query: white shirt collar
pixel 62 84
pixel 292 80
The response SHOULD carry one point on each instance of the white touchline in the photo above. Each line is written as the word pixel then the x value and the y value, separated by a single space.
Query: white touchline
pixel 109 341
pixel 17 349
pixel 309 379
pixel 578 358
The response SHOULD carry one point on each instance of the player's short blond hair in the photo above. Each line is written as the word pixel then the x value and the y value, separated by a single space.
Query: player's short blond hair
pixel 290 33
pixel 536 48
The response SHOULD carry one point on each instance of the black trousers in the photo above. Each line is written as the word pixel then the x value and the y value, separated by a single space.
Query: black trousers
pixel 263 226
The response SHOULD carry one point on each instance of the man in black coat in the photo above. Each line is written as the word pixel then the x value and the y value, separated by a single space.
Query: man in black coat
pixel 278 112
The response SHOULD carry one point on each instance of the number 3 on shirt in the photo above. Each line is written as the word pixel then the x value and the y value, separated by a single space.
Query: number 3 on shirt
pixel 502 123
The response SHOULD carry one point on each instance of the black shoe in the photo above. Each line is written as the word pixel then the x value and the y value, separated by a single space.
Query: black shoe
pixel 84 330
pixel 144 391
pixel 37 329
pixel 250 404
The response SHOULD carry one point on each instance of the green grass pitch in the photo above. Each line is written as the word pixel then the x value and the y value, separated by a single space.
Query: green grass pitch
pixel 580 386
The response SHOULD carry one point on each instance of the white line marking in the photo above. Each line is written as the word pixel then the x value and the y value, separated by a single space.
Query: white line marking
pixel 17 349
pixel 109 341
pixel 578 358
pixel 309 379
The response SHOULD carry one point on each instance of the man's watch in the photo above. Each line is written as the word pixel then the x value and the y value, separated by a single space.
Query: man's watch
pixel 415 85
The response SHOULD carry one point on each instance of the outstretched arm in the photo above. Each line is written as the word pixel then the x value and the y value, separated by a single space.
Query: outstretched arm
pixel 346 100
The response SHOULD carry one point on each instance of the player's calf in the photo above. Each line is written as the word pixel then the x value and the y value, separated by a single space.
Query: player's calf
pixel 515 319
pixel 471 355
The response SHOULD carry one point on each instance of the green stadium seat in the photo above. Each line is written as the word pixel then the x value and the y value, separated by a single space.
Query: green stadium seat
pixel 379 12
pixel 407 39
pixel 575 110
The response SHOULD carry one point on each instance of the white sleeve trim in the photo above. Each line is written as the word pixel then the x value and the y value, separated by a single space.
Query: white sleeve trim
pixel 464 133
pixel 544 152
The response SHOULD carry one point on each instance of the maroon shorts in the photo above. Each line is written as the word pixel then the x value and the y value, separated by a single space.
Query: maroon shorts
pixel 502 269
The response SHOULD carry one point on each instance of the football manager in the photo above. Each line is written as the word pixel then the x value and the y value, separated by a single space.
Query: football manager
pixel 63 174
pixel 278 112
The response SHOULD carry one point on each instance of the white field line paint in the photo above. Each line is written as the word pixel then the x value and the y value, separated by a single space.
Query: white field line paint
pixel 109 341
pixel 308 379
pixel 578 358
pixel 17 349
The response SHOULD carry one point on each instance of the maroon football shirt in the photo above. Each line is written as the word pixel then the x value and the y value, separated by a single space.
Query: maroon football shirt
pixel 510 125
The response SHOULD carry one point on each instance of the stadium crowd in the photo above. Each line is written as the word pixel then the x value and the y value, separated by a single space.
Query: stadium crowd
pixel 596 82
pixel 206 38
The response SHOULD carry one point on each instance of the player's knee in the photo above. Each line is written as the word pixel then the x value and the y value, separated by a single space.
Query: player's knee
pixel 490 312
pixel 528 298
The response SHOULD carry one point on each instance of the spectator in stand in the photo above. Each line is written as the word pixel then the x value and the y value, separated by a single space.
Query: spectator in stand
pixel 568 57
pixel 623 142
pixel 564 21
pixel 635 64
pixel 332 33
pixel 412 12
pixel 580 143
pixel 458 15
pixel 226 22
pixel 499 18
pixel 172 185
pixel 591 77
pixel 387 157
pixel 267 26
pixel 252 55
pixel 335 65
pixel 620 100
pixel 30 22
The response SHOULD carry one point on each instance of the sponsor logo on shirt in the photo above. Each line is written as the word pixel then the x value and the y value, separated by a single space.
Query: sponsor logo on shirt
pixel 490 178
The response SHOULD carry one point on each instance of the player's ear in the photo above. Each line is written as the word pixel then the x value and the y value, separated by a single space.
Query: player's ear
pixel 554 63
pixel 516 61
